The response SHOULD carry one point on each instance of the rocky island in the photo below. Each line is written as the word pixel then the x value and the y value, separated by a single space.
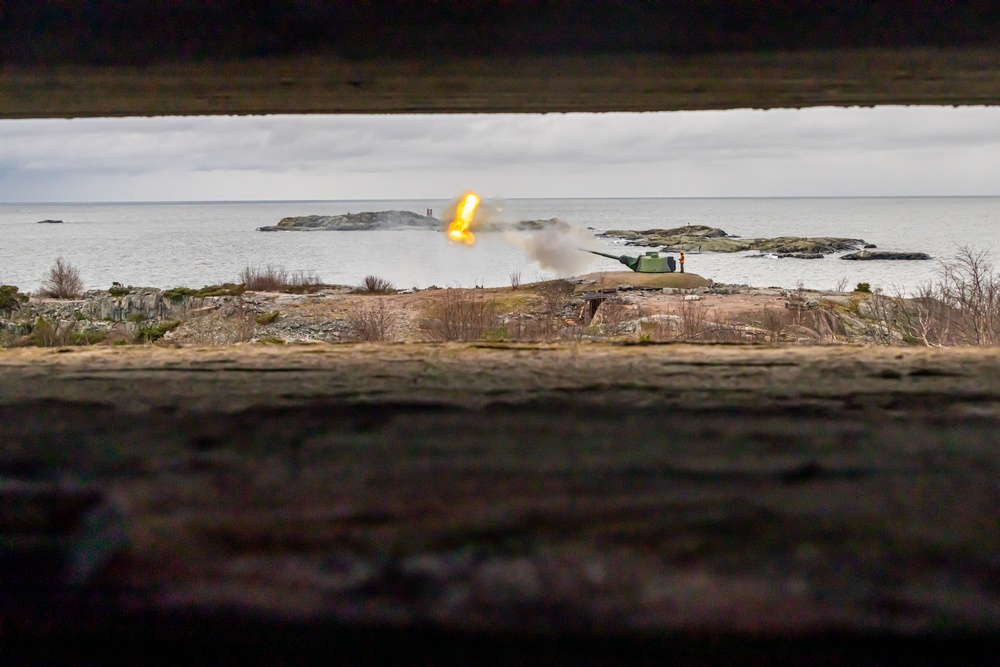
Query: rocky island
pixel 365 221
pixel 713 239
pixel 383 220
pixel 885 254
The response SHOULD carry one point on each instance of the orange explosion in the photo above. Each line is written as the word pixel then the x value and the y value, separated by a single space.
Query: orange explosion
pixel 458 230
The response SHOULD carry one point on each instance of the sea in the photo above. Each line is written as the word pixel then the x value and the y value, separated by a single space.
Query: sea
pixel 202 243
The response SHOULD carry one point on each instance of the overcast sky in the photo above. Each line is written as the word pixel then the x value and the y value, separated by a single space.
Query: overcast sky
pixel 809 152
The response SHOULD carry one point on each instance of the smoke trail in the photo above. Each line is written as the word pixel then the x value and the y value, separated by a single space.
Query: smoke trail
pixel 554 244
pixel 556 247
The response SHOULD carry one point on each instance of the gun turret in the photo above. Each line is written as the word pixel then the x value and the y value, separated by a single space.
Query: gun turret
pixel 630 262
pixel 650 262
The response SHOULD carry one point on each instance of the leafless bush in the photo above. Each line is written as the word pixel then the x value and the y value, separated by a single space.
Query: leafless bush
pixel 961 308
pixel 971 288
pixel 461 315
pixel 694 316
pixel 304 282
pixel 48 334
pixel 371 322
pixel 375 285
pixel 555 296
pixel 842 284
pixel 268 279
pixel 521 327
pixel 926 319
pixel 515 279
pixel 773 321
pixel 64 281
pixel 658 329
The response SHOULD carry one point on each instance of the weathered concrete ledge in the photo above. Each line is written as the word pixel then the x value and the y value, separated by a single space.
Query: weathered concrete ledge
pixel 502 84
pixel 839 502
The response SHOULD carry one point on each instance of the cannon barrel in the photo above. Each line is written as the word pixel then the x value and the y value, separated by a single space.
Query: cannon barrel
pixel 630 262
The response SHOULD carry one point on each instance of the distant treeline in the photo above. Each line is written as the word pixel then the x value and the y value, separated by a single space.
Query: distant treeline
pixel 146 31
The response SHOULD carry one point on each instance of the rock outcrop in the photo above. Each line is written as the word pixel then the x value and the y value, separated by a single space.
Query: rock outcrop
pixel 365 221
pixel 788 255
pixel 885 254
pixel 713 239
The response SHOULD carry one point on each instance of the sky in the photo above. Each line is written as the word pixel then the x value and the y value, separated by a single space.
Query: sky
pixel 820 151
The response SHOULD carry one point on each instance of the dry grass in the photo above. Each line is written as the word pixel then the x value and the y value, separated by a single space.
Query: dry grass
pixel 63 282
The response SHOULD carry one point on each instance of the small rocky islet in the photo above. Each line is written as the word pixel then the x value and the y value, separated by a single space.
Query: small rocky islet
pixel 364 221
pixel 389 220
pixel 702 238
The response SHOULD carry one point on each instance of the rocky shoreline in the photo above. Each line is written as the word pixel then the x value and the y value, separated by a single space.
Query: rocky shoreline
pixel 612 306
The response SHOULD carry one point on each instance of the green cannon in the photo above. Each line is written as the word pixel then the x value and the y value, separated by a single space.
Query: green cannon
pixel 650 262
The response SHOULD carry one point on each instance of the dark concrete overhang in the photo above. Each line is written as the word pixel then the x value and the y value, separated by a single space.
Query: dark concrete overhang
pixel 79 58
pixel 521 84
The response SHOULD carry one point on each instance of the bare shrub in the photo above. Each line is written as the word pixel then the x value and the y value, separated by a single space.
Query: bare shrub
pixel 268 279
pixel 303 282
pixel 729 331
pixel 515 279
pixel 48 334
pixel 962 308
pixel 375 285
pixel 694 316
pixel 530 328
pixel 555 296
pixel 64 281
pixel 660 329
pixel 572 332
pixel 371 322
pixel 926 319
pixel 461 315
pixel 773 321
pixel 842 284
pixel 971 288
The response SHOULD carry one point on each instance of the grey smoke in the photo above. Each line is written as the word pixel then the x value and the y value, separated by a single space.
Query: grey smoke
pixel 557 247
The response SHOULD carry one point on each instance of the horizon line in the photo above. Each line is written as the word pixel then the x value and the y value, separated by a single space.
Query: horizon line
pixel 439 199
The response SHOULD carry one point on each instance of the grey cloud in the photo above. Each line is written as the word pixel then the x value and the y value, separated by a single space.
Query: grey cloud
pixel 710 152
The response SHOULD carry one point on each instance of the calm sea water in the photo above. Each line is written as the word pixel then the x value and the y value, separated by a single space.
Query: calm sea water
pixel 194 244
